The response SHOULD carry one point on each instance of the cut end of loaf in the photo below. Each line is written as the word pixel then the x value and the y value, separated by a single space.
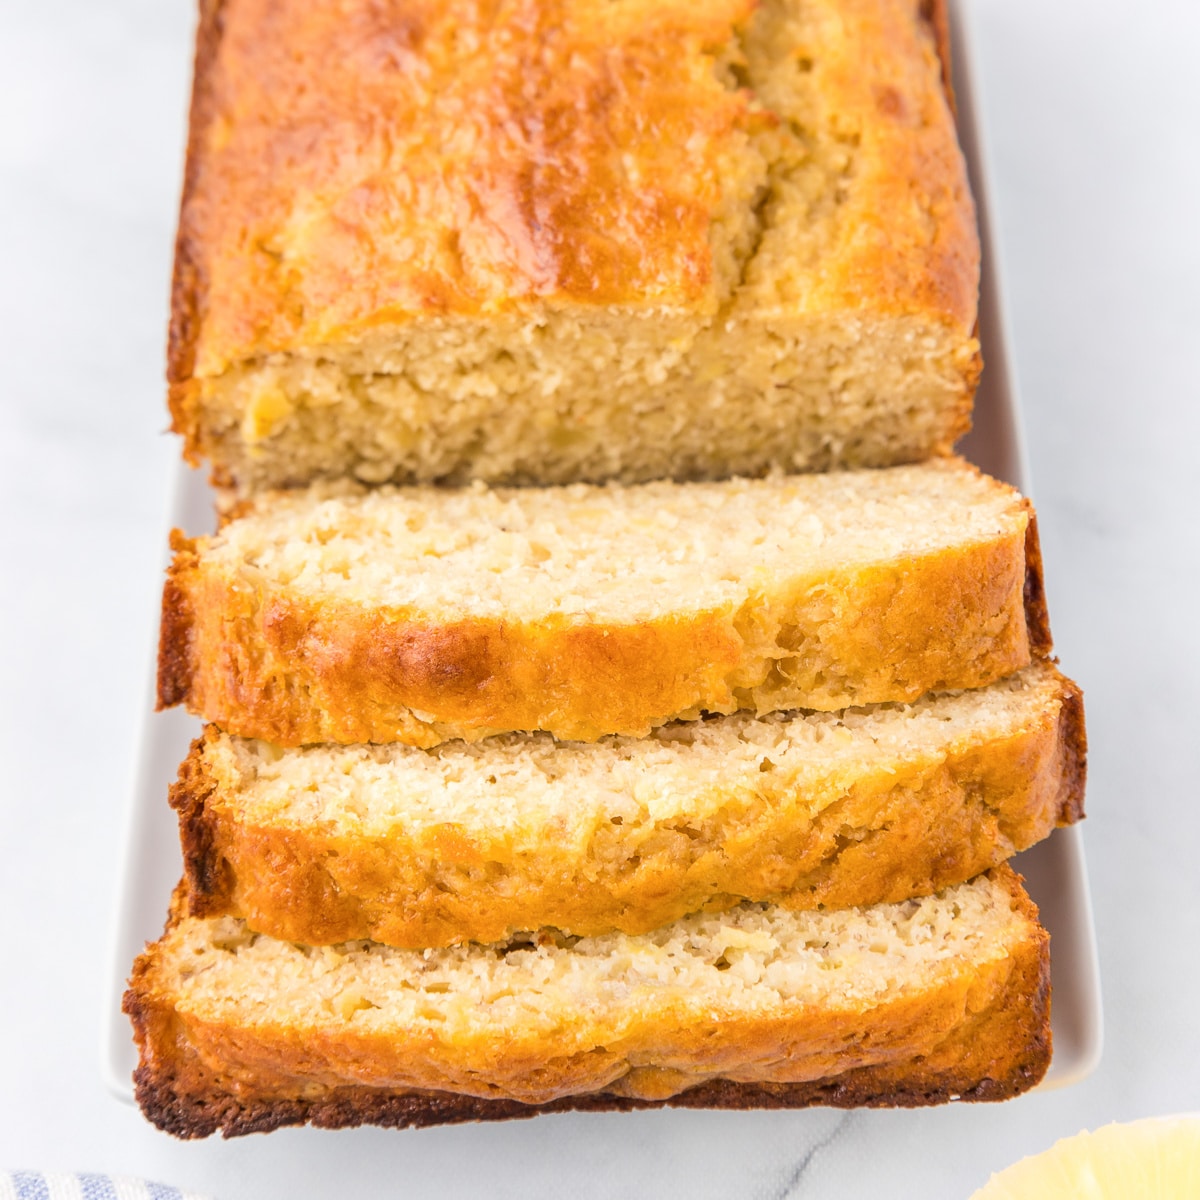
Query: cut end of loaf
pixel 569 417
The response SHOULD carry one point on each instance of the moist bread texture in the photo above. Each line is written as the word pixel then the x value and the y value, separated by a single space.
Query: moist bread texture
pixel 343 614
pixel 478 842
pixel 933 999
pixel 567 240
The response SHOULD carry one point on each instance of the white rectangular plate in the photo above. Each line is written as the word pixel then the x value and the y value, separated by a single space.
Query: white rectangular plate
pixel 1054 870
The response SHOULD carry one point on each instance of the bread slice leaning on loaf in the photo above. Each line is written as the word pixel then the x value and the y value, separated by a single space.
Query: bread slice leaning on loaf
pixel 417 615
pixel 556 240
pixel 477 842
pixel 901 1004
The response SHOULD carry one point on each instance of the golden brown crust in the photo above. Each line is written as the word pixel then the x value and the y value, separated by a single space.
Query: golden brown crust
pixel 897 829
pixel 556 97
pixel 268 664
pixel 188 282
pixel 207 869
pixel 930 263
pixel 1073 755
pixel 249 154
pixel 936 15
pixel 175 654
pixel 208 1110
pixel 985 1036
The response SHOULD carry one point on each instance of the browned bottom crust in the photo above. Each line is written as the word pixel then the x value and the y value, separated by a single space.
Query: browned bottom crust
pixel 190 1114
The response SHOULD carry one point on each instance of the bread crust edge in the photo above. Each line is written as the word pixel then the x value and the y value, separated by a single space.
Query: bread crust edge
pixel 188 1116
pixel 183 330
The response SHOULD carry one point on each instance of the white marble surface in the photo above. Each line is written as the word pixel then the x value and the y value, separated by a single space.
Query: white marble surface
pixel 1090 108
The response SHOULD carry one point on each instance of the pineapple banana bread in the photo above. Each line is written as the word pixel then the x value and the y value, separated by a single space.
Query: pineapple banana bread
pixel 927 1000
pixel 478 842
pixel 564 240
pixel 345 614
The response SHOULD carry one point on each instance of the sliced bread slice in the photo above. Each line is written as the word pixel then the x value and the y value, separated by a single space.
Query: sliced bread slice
pixel 418 615
pixel 913 1003
pixel 477 842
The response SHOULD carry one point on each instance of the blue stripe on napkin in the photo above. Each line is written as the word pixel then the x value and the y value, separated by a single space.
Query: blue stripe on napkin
pixel 38 1185
pixel 96 1187
pixel 30 1185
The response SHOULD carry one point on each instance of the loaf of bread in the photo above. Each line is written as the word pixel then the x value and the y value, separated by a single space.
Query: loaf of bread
pixel 928 1000
pixel 478 842
pixel 563 240
pixel 343 614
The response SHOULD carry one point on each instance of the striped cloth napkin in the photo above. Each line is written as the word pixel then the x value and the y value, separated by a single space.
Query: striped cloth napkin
pixel 58 1185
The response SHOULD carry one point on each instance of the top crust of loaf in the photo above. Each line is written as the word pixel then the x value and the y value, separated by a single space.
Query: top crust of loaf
pixel 453 162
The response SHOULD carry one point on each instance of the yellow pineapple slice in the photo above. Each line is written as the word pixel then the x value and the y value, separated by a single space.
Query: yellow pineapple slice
pixel 1154 1159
